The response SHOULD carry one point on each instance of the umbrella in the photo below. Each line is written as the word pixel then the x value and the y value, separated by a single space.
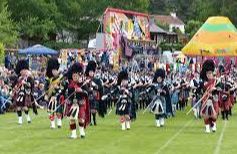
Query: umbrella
pixel 38 50
pixel 216 37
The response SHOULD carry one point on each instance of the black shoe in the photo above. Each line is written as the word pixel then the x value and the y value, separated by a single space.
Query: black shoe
pixel 59 127
pixel 29 122
pixel 83 137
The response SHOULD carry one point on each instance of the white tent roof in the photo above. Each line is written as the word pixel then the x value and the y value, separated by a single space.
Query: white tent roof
pixel 92 44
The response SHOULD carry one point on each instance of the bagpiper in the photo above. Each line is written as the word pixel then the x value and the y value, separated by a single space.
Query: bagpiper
pixel 78 109
pixel 161 97
pixel 54 90
pixel 23 91
pixel 95 91
pixel 124 106
pixel 225 97
pixel 209 108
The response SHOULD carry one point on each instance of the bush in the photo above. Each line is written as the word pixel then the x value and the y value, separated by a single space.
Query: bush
pixel 171 46
pixel 1 53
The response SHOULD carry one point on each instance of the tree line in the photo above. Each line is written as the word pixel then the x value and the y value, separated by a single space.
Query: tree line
pixel 41 20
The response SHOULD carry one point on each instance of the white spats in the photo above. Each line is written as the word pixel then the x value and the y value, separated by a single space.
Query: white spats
pixel 20 121
pixel 157 123
pixel 82 131
pixel 74 134
pixel 195 113
pixel 128 125
pixel 123 124
pixel 208 129
pixel 28 118
pixel 52 124
pixel 162 122
pixel 214 127
pixel 59 123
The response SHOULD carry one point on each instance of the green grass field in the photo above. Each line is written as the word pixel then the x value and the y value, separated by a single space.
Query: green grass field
pixel 181 135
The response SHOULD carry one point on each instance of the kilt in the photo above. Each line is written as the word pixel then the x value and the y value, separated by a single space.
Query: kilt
pixel 26 101
pixel 225 104
pixel 210 109
pixel 123 108
pixel 76 111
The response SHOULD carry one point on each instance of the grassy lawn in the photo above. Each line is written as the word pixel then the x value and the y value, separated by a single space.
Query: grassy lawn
pixel 181 135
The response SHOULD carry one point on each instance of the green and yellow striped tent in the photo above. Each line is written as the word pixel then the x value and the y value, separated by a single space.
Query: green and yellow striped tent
pixel 216 37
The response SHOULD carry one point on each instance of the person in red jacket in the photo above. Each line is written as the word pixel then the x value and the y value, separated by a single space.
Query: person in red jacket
pixel 77 105
pixel 209 107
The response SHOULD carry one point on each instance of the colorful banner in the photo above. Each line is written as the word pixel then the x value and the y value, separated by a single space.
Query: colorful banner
pixel 132 25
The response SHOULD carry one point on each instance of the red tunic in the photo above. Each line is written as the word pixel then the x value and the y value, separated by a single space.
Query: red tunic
pixel 84 108
pixel 210 107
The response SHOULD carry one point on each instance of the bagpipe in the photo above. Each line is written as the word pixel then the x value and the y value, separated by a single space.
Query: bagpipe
pixel 227 91
pixel 153 86
pixel 87 88
pixel 206 94
pixel 77 89
pixel 95 88
pixel 118 90
pixel 21 82
pixel 24 82
pixel 52 86
pixel 159 90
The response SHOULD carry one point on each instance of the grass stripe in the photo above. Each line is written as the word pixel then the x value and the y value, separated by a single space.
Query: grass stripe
pixel 173 137
pixel 218 146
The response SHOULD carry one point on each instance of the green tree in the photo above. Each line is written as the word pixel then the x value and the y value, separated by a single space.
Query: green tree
pixel 229 9
pixel 157 7
pixel 35 18
pixel 192 27
pixel 8 31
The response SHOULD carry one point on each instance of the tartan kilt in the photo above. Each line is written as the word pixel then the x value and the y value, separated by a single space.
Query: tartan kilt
pixel 76 111
pixel 123 108
pixel 54 106
pixel 225 105
pixel 25 103
pixel 210 109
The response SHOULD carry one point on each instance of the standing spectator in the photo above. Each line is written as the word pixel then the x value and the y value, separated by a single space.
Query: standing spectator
pixel 8 61
pixel 13 60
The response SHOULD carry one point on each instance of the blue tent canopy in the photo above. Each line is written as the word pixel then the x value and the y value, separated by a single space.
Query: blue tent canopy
pixel 38 50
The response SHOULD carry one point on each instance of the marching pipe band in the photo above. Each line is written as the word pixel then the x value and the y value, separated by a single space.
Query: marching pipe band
pixel 82 93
